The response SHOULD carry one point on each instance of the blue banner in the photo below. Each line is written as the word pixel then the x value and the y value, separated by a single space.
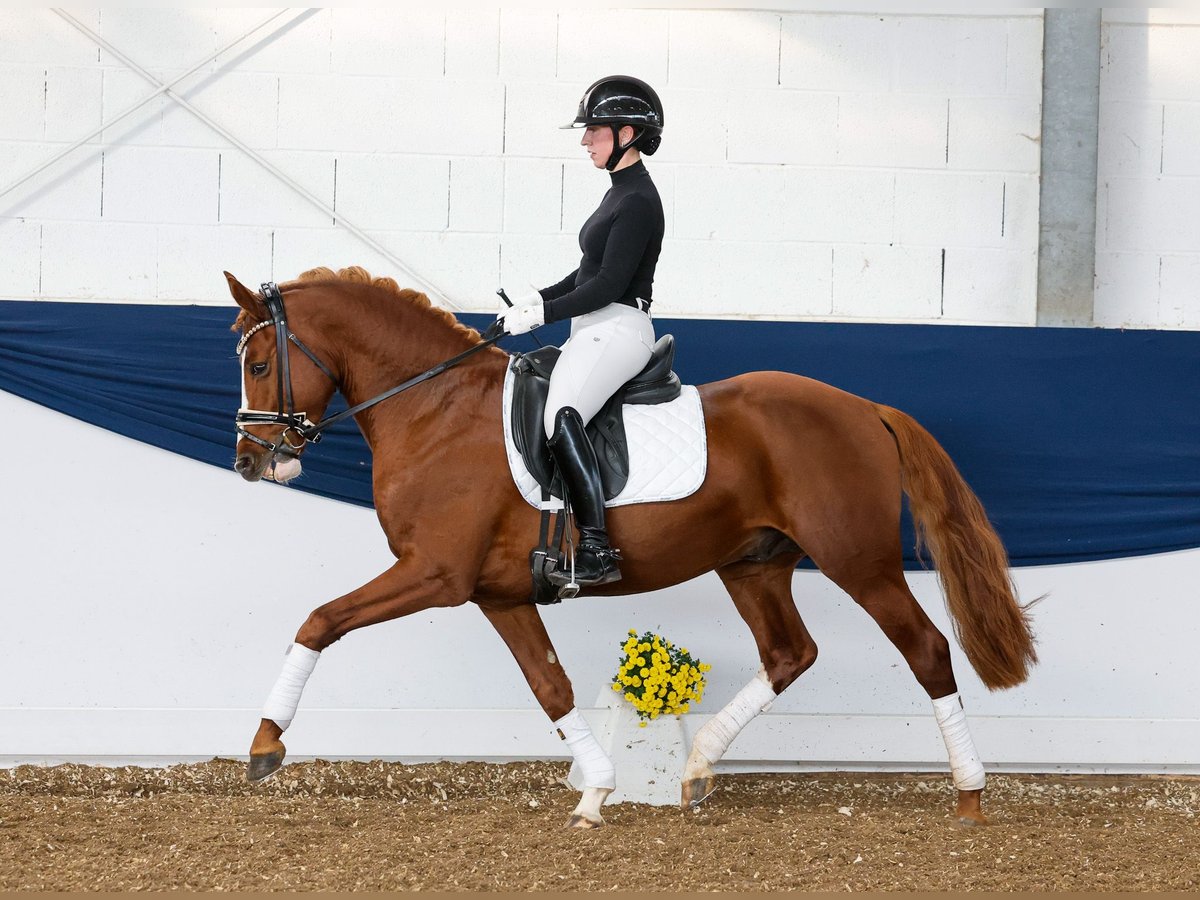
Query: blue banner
pixel 1082 443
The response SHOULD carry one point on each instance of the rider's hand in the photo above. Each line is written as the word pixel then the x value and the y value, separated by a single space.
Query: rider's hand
pixel 521 319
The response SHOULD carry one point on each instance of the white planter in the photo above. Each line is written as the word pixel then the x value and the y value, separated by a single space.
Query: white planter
pixel 649 761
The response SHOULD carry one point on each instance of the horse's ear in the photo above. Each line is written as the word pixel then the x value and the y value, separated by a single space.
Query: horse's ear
pixel 246 298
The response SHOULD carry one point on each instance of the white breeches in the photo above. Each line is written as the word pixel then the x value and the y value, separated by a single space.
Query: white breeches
pixel 606 348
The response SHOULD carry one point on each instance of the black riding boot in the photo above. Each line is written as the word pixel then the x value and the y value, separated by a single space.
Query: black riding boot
pixel 595 561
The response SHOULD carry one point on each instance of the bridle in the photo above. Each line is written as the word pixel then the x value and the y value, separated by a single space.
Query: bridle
pixel 298 424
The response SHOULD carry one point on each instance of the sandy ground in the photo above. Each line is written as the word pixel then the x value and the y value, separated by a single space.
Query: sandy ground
pixel 386 826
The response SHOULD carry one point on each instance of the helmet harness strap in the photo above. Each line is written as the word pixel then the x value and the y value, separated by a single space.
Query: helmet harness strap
pixel 618 151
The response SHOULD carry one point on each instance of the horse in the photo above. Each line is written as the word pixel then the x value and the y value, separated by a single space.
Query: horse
pixel 796 469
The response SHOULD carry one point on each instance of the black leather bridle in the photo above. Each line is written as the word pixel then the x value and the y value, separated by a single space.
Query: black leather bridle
pixel 298 423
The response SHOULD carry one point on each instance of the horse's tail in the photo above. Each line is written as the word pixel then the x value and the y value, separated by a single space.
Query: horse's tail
pixel 971 561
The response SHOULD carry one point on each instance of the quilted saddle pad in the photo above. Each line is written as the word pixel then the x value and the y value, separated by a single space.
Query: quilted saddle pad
pixel 668 451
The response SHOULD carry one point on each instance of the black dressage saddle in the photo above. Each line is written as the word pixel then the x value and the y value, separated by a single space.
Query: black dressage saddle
pixel 656 383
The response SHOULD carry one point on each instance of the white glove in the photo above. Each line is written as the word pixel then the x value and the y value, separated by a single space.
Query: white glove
pixel 521 319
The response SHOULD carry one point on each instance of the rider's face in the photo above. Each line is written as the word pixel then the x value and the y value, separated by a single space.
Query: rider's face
pixel 598 141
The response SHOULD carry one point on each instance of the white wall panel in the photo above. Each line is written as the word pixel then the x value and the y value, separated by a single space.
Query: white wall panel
pixel 719 50
pixel 476 194
pixel 23 98
pixel 594 43
pixel 39 37
pixel 781 127
pixel 895 131
pixel 301 45
pixel 20 261
pixel 159 665
pixel 394 192
pixel 533 191
pixel 1181 139
pixel 995 133
pixel 121 89
pixel 159 38
pixel 405 40
pixel 877 282
pixel 185 183
pixel 955 56
pixel 727 203
pixel 837 53
pixel 838 205
pixel 99 260
pixel 472 43
pixel 1153 214
pixel 1179 300
pixel 245 103
pixel 1131 138
pixel 191 260
pixel 1023 73
pixel 250 195
pixel 73 102
pixel 984 285
pixel 950 209
pixel 69 190
pixel 1149 179
pixel 533 114
pixel 1127 288
pixel 531 261
pixel 528 45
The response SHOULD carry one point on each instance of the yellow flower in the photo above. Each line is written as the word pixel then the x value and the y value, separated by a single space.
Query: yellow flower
pixel 628 695
pixel 644 672
pixel 616 687
pixel 642 724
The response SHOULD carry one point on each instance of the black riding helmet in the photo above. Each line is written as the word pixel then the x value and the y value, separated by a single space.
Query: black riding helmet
pixel 618 100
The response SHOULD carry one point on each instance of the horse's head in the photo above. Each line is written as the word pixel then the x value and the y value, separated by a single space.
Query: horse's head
pixel 283 392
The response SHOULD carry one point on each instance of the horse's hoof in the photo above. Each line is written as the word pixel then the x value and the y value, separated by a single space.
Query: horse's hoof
pixel 263 766
pixel 696 791
pixel 578 821
pixel 969 813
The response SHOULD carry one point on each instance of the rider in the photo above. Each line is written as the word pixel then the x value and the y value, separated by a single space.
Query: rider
pixel 608 300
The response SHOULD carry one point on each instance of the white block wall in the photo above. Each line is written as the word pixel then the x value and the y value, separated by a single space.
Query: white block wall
pixel 815 165
pixel 1148 217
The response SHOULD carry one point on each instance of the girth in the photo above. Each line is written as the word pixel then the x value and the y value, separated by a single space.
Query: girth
pixel 656 383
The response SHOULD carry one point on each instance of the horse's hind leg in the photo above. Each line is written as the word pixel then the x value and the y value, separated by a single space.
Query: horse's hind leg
pixel 522 630
pixel 886 597
pixel 762 593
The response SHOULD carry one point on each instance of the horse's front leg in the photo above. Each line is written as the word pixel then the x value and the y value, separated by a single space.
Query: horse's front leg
pixel 522 630
pixel 411 585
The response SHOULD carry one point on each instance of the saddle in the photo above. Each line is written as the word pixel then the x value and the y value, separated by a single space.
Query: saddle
pixel 656 383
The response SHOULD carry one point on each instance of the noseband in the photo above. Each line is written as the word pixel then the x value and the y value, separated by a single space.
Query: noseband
pixel 298 423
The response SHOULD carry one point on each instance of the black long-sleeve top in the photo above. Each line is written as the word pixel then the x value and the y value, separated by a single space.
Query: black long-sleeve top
pixel 621 242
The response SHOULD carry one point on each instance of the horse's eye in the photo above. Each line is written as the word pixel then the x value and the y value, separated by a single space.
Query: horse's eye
pixel 258 368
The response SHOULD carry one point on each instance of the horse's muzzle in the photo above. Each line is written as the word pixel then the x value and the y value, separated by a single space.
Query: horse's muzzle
pixel 248 467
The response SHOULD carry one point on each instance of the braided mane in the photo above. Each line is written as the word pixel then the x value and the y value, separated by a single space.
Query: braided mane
pixel 359 275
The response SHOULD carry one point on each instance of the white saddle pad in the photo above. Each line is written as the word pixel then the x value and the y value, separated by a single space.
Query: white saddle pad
pixel 668 451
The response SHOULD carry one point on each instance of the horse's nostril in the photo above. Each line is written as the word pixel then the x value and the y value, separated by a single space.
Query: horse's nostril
pixel 243 463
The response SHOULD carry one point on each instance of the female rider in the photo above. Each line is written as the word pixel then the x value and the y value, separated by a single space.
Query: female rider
pixel 607 299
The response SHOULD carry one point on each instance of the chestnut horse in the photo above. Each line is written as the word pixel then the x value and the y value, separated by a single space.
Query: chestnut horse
pixel 796 468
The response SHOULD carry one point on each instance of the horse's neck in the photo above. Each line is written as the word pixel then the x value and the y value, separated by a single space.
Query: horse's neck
pixel 390 347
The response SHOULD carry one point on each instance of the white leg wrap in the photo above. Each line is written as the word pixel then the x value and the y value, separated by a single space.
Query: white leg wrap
pixel 718 733
pixel 298 664
pixel 964 760
pixel 594 764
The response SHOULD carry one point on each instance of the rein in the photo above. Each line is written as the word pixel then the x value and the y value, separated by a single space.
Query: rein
pixel 299 423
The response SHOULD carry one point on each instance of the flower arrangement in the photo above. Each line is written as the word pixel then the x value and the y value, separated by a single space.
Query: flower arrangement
pixel 657 677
